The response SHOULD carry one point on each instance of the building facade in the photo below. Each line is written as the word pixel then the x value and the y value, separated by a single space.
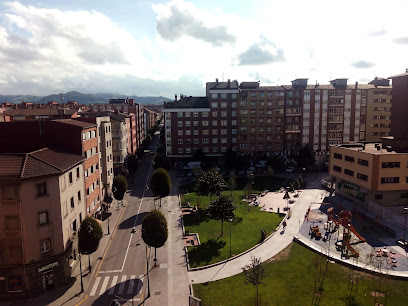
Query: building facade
pixel 42 204
pixel 264 120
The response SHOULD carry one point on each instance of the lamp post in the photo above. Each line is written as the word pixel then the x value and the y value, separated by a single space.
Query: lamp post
pixel 108 227
pixel 230 221
pixel 80 270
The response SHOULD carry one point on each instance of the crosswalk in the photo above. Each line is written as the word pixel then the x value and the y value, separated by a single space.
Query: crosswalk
pixel 117 284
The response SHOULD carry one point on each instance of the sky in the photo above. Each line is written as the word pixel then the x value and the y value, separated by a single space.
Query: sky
pixel 152 48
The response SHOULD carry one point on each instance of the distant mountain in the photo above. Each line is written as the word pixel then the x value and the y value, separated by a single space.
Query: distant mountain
pixel 82 98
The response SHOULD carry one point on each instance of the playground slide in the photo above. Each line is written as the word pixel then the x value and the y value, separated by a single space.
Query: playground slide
pixel 355 233
pixel 348 245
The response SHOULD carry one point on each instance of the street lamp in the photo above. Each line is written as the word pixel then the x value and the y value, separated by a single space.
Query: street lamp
pixel 230 221
pixel 80 270
pixel 108 227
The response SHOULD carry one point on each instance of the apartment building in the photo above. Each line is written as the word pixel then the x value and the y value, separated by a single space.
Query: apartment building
pixel 105 145
pixel 280 119
pixel 261 112
pixel 42 198
pixel 208 123
pixel 71 136
pixel 136 113
pixel 18 114
pixel 370 173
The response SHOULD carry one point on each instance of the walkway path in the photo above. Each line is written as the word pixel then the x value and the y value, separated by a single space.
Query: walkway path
pixel 273 245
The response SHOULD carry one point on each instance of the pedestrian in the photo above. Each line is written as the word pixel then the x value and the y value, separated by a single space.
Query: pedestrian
pixel 284 225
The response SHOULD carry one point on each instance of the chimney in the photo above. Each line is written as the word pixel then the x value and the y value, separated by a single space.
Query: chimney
pixel 356 85
pixel 229 83
pixel 175 98
pixel 216 80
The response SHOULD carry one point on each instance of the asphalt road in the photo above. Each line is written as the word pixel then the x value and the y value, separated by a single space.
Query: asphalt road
pixel 122 273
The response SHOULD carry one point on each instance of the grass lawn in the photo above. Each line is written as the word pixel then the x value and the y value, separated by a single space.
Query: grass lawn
pixel 291 281
pixel 245 230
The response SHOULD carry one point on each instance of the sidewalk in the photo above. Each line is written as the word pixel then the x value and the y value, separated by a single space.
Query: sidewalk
pixel 169 280
pixel 70 294
pixel 272 245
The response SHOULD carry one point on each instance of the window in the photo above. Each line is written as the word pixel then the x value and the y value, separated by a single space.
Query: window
pixel 188 141
pixel 234 104
pixel 234 96
pixel 41 189
pixel 389 180
pixel 223 114
pixel 223 96
pixel 77 172
pixel 188 132
pixel 205 132
pixel 83 136
pixel 188 123
pixel 362 162
pixel 223 104
pixel 180 123
pixel 79 196
pixel 224 123
pixel 349 158
pixel 205 140
pixel 338 156
pixel 43 217
pixel 180 132
pixel 195 132
pixel 362 177
pixel 348 172
pixel 337 168
pixel 205 114
pixel 214 114
pixel 187 114
pixel 215 132
pixel 205 123
pixel 214 104
pixel 188 150
pixel 72 202
pixel 195 114
pixel 70 177
pixel 45 246
pixel 195 141
pixel 180 141
pixel 180 150
pixel 391 164
pixel 180 114
pixel 214 96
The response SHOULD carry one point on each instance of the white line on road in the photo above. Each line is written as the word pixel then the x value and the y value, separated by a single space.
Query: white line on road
pixel 104 285
pixel 95 286
pixel 122 284
pixel 111 271
pixel 131 284
pixel 113 284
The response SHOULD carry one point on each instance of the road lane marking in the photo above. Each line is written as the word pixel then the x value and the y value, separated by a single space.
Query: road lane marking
pixel 110 240
pixel 104 285
pixel 111 271
pixel 122 284
pixel 113 284
pixel 95 286
pixel 131 284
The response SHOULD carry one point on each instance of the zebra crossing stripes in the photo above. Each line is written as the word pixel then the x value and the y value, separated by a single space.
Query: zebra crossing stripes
pixel 111 284
pixel 112 289
pixel 122 284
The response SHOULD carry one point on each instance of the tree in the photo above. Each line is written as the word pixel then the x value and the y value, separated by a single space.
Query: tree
pixel 90 233
pixel 276 163
pixel 154 230
pixel 305 158
pixel 222 209
pixel 229 158
pixel 120 186
pixel 210 182
pixel 232 181
pixel 140 152
pixel 161 161
pixel 132 164
pixel 254 274
pixel 160 183
pixel 270 171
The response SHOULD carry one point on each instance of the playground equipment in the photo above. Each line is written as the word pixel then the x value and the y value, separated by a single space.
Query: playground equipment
pixel 344 219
